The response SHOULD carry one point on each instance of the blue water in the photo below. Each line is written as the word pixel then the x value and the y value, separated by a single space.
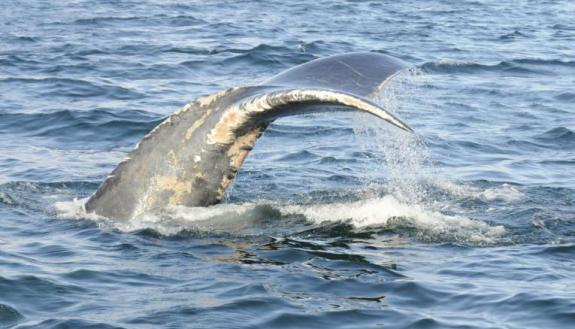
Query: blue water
pixel 335 221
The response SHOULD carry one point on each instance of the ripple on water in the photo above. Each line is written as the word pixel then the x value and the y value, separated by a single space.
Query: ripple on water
pixel 68 323
pixel 9 315
pixel 559 137
pixel 39 295
pixel 66 88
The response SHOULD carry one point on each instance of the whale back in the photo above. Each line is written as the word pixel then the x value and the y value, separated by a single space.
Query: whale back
pixel 194 154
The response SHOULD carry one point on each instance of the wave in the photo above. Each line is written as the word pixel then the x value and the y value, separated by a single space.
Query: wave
pixel 66 87
pixel 514 35
pixel 561 136
pixel 505 192
pixel 269 56
pixel 6 199
pixel 302 47
pixel 566 97
pixel 9 315
pixel 17 61
pixel 388 213
pixel 518 66
pixel 72 323
pixel 563 250
pixel 80 126
pixel 563 27
pixel 158 20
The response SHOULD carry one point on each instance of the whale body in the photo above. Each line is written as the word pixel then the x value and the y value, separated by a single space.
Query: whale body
pixel 194 154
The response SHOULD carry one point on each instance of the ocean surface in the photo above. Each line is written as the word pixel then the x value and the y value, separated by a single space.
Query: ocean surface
pixel 336 220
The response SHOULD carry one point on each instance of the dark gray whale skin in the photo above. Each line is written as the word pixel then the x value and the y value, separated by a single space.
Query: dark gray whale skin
pixel 194 154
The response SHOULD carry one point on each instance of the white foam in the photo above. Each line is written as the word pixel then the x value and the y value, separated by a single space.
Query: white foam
pixel 389 212
pixel 228 218
pixel 240 219
pixel 73 210
pixel 452 62
pixel 504 193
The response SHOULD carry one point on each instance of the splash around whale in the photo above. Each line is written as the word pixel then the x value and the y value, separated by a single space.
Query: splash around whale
pixel 194 154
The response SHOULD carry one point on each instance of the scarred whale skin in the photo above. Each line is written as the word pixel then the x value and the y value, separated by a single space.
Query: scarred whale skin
pixel 194 154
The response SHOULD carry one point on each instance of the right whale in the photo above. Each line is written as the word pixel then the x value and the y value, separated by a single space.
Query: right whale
pixel 194 154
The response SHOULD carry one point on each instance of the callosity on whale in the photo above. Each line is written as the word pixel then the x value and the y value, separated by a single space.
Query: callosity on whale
pixel 194 154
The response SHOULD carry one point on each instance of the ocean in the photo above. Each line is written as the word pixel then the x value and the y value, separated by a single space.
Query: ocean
pixel 335 220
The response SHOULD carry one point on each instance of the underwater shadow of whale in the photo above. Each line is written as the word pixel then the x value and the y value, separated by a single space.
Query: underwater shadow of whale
pixel 194 154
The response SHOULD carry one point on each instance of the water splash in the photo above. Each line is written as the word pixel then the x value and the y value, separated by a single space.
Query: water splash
pixel 390 214
pixel 418 196
pixel 401 158
pixel 269 218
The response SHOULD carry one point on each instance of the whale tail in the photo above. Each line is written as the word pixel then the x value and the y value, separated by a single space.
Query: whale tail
pixel 194 154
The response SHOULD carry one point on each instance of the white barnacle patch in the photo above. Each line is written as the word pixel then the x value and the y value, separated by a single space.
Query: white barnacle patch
pixel 185 109
pixel 197 158
pixel 179 188
pixel 200 121
pixel 238 151
pixel 173 159
pixel 204 101
pixel 208 100
pixel 330 97
pixel 125 159
pixel 108 178
pixel 138 144
pixel 236 117
pixel 224 130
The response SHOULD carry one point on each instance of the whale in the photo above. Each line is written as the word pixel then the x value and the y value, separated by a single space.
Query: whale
pixel 192 156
